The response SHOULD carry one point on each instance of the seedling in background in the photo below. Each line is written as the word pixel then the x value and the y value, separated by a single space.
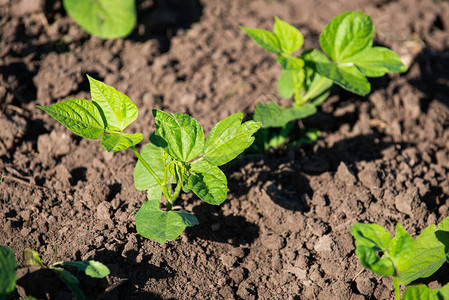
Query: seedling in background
pixel 8 266
pixel 108 19
pixel 404 258
pixel 348 59
pixel 177 157
pixel 91 268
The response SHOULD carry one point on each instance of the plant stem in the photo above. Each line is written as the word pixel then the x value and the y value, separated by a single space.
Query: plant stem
pixel 397 294
pixel 155 176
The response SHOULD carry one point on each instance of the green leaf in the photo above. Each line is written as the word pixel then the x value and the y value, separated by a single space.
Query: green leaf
pixel 115 142
pixel 290 63
pixel 70 281
pixel 228 139
pixel 345 75
pixel 154 156
pixel 430 253
pixel 8 266
pixel 32 258
pixel 264 38
pixel 443 293
pixel 107 19
pixel 82 117
pixel 369 239
pixel 290 38
pixel 421 292
pixel 286 84
pixel 346 35
pixel 155 224
pixel 92 268
pixel 273 115
pixel 401 248
pixel 377 61
pixel 208 182
pixel 181 136
pixel 119 111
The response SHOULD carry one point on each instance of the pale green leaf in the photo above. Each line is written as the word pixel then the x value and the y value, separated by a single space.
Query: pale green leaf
pixel 290 63
pixel 118 110
pixel 370 260
pixel 228 138
pixel 8 266
pixel 92 268
pixel 273 115
pixel 371 235
pixel 419 292
pixel 290 38
pixel 286 84
pixel 154 156
pixel 107 19
pixel 114 142
pixel 264 38
pixel 401 248
pixel 82 117
pixel 32 258
pixel 346 35
pixel 208 182
pixel 377 61
pixel 181 136
pixel 155 224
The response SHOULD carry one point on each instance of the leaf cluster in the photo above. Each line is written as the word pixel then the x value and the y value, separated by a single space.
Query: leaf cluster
pixel 403 257
pixel 348 58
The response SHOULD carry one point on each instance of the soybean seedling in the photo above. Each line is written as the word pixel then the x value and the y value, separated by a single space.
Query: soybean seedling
pixel 404 258
pixel 8 266
pixel 176 158
pixel 348 59
pixel 91 268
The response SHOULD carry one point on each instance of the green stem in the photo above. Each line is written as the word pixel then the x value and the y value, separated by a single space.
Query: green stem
pixel 155 176
pixel 397 294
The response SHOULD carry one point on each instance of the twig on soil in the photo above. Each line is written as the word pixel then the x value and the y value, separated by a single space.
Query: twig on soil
pixel 357 275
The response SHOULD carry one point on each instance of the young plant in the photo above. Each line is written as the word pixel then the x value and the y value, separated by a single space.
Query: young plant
pixel 348 59
pixel 402 257
pixel 91 268
pixel 108 19
pixel 8 266
pixel 177 157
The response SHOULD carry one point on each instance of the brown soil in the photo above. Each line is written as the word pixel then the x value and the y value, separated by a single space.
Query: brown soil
pixel 283 232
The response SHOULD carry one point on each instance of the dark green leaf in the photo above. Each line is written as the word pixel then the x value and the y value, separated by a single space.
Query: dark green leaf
pixel 107 19
pixel 346 35
pixel 8 266
pixel 370 260
pixel 82 117
pixel 377 61
pixel 273 115
pixel 114 142
pixel 181 136
pixel 70 281
pixel 265 39
pixel 290 38
pixel 208 182
pixel 32 258
pixel 119 111
pixel 92 268
pixel 228 139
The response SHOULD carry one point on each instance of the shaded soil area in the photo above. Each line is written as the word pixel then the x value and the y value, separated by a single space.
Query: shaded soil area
pixel 283 232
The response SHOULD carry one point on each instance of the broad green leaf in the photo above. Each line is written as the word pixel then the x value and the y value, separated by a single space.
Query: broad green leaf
pixel 290 38
pixel 419 292
pixel 443 293
pixel 154 156
pixel 316 87
pixel 8 266
pixel 377 61
pixel 92 268
pixel 70 281
pixel 264 38
pixel 286 84
pixel 32 258
pixel 114 142
pixel 346 35
pixel 273 115
pixel 107 19
pixel 371 235
pixel 345 75
pixel 155 224
pixel 181 136
pixel 228 139
pixel 118 110
pixel 370 260
pixel 430 253
pixel 208 182
pixel 290 63
pixel 82 117
pixel 401 248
